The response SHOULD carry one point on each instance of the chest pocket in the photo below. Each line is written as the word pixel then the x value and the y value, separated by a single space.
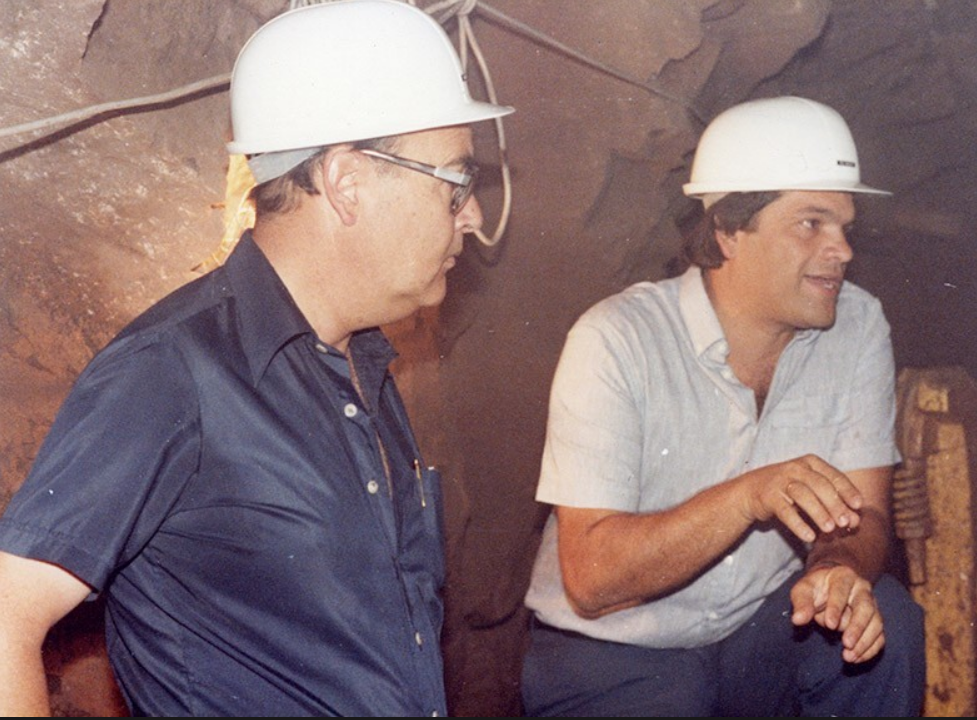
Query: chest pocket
pixel 419 504
pixel 806 424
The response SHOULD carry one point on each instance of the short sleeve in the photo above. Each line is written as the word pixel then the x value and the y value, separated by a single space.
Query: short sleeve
pixel 121 448
pixel 592 453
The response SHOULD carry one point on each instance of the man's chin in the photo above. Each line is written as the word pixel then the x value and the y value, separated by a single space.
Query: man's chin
pixel 823 323
pixel 435 293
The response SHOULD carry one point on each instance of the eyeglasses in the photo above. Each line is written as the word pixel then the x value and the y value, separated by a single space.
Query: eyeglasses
pixel 464 182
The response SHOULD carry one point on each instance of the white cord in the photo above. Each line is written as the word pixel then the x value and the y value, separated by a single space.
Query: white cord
pixel 468 39
pixel 442 11
pixel 85 113
pixel 217 80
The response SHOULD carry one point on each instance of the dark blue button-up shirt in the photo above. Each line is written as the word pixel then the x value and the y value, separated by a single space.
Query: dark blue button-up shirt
pixel 215 473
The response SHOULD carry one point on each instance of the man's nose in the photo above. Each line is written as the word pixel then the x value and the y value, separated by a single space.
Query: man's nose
pixel 840 246
pixel 470 218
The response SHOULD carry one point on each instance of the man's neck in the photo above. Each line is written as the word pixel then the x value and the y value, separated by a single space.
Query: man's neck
pixel 755 345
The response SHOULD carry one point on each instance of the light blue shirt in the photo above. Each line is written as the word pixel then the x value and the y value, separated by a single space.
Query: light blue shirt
pixel 645 412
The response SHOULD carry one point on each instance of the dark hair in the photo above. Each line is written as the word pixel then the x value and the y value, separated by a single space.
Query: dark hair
pixel 734 211
pixel 282 194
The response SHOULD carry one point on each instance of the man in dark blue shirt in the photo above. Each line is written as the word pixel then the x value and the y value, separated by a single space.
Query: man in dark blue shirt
pixel 235 472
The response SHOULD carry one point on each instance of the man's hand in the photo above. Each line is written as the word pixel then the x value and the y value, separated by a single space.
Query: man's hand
pixel 837 598
pixel 804 490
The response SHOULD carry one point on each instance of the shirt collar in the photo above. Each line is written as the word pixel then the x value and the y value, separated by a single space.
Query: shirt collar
pixel 267 317
pixel 371 354
pixel 708 339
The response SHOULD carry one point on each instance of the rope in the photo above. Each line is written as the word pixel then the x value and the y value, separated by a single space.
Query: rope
pixel 534 34
pixel 92 111
pixel 467 40
pixel 466 8
pixel 442 11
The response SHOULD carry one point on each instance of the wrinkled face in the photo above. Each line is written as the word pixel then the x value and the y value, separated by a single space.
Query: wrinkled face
pixel 790 268
pixel 416 236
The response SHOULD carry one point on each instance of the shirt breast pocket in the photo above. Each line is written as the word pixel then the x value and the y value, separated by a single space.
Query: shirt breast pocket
pixel 422 540
pixel 429 490
pixel 422 543
pixel 806 424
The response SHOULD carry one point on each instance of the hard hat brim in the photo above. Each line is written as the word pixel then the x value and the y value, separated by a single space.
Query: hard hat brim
pixel 697 190
pixel 472 111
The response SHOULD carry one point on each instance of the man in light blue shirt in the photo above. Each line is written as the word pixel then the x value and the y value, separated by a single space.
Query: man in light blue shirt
pixel 719 454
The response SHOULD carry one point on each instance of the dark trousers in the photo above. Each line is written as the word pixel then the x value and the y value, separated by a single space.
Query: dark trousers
pixel 767 668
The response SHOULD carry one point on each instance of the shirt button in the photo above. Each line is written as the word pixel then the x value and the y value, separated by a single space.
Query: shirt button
pixel 712 615
pixel 418 639
pixel 435 714
pixel 321 348
pixel 350 410
pixel 728 560
pixel 372 487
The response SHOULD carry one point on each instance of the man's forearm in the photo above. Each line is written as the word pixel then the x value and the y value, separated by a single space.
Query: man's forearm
pixel 865 549
pixel 24 683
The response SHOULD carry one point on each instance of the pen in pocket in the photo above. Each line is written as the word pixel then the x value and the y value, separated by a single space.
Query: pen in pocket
pixel 420 481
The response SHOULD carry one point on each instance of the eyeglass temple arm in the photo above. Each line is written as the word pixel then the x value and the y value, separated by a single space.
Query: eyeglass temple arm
pixel 452 176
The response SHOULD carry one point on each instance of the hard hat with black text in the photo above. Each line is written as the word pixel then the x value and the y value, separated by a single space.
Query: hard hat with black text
pixel 781 143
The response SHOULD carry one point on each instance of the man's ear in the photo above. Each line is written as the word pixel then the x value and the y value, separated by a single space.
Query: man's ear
pixel 340 182
pixel 727 242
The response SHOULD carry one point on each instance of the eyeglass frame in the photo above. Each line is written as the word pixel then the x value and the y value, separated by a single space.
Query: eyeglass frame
pixel 464 182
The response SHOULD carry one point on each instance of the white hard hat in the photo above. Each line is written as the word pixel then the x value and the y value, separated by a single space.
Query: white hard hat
pixel 343 71
pixel 783 143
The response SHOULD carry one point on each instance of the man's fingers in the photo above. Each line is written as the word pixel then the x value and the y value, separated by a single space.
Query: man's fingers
pixel 823 493
pixel 842 485
pixel 794 521
pixel 805 498
pixel 863 641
